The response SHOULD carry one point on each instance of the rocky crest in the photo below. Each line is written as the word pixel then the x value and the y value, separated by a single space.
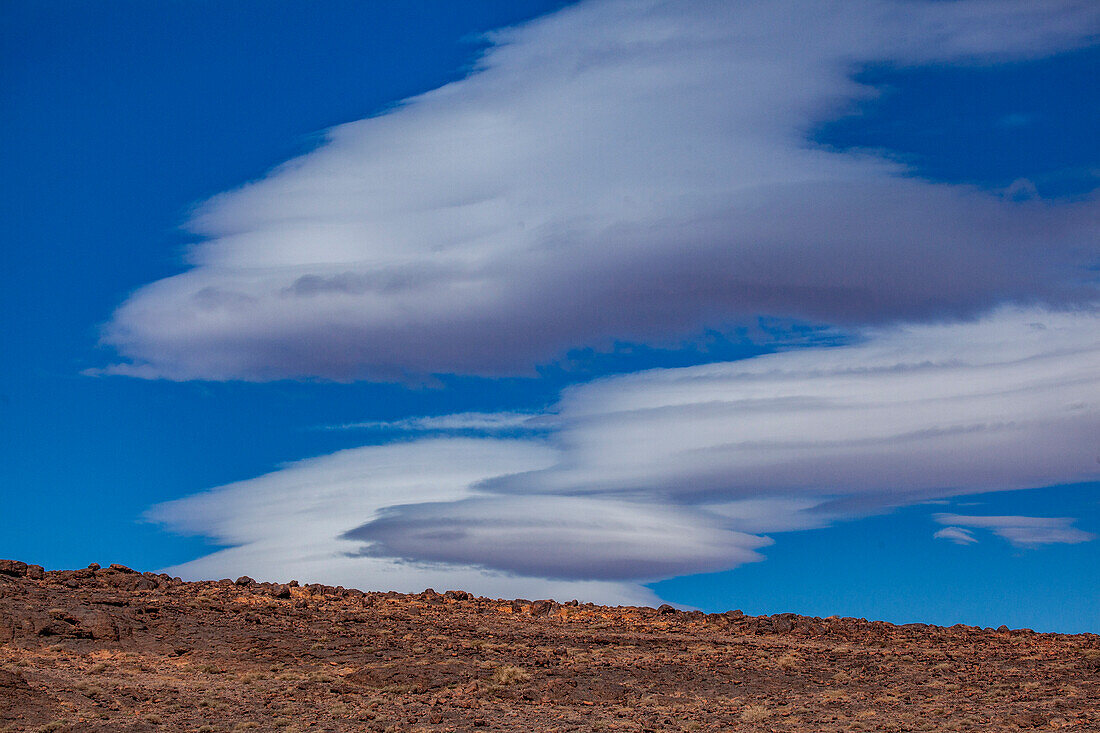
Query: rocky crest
pixel 111 649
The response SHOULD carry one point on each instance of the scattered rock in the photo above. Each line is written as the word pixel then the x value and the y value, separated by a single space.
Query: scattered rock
pixel 123 647
pixel 12 681
pixel 412 677
pixel 244 580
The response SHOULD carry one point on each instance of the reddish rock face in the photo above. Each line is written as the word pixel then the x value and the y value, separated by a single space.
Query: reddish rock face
pixel 13 567
pixel 117 650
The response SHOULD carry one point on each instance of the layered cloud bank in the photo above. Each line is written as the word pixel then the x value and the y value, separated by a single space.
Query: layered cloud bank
pixel 678 471
pixel 619 170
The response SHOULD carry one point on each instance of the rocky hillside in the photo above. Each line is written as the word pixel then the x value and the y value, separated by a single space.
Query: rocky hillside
pixel 111 649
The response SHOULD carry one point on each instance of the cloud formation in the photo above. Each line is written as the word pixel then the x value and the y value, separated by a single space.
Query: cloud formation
pixel 678 471
pixel 488 422
pixel 958 535
pixel 917 411
pixel 289 523
pixel 1020 531
pixel 618 170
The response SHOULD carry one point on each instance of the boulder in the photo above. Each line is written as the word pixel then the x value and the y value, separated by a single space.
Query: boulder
pixel 782 623
pixel 100 626
pixel 13 567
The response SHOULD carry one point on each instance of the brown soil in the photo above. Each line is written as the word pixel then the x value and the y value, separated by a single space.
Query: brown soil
pixel 114 650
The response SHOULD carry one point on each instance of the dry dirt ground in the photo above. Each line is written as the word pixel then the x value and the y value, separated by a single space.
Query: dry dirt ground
pixel 115 650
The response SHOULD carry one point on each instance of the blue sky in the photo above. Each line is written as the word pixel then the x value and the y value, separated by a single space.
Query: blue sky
pixel 606 194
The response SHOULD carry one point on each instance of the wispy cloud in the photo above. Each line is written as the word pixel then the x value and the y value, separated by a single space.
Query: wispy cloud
pixel 463 421
pixel 958 535
pixel 619 170
pixel 678 471
pixel 1022 531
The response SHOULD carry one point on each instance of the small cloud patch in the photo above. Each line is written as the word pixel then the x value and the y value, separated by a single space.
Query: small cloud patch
pixel 958 535
pixel 1019 531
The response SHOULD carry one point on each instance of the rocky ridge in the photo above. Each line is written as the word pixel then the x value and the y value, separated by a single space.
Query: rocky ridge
pixel 112 649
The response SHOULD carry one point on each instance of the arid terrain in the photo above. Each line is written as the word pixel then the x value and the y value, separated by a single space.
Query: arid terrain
pixel 111 649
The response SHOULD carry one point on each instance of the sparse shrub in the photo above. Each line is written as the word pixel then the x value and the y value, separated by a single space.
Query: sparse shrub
pixel 787 662
pixel 509 675
pixel 754 714
pixel 90 690
pixel 50 727
pixel 97 668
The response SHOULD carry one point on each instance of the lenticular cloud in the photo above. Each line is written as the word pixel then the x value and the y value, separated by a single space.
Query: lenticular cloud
pixel 618 170
pixel 678 471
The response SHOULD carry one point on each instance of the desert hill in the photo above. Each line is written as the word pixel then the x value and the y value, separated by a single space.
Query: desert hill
pixel 111 649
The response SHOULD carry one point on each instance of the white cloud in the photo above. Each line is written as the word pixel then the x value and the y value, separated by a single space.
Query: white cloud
pixel 289 523
pixel 675 471
pixel 462 421
pixel 618 170
pixel 567 537
pixel 958 535
pixel 921 411
pixel 1023 531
